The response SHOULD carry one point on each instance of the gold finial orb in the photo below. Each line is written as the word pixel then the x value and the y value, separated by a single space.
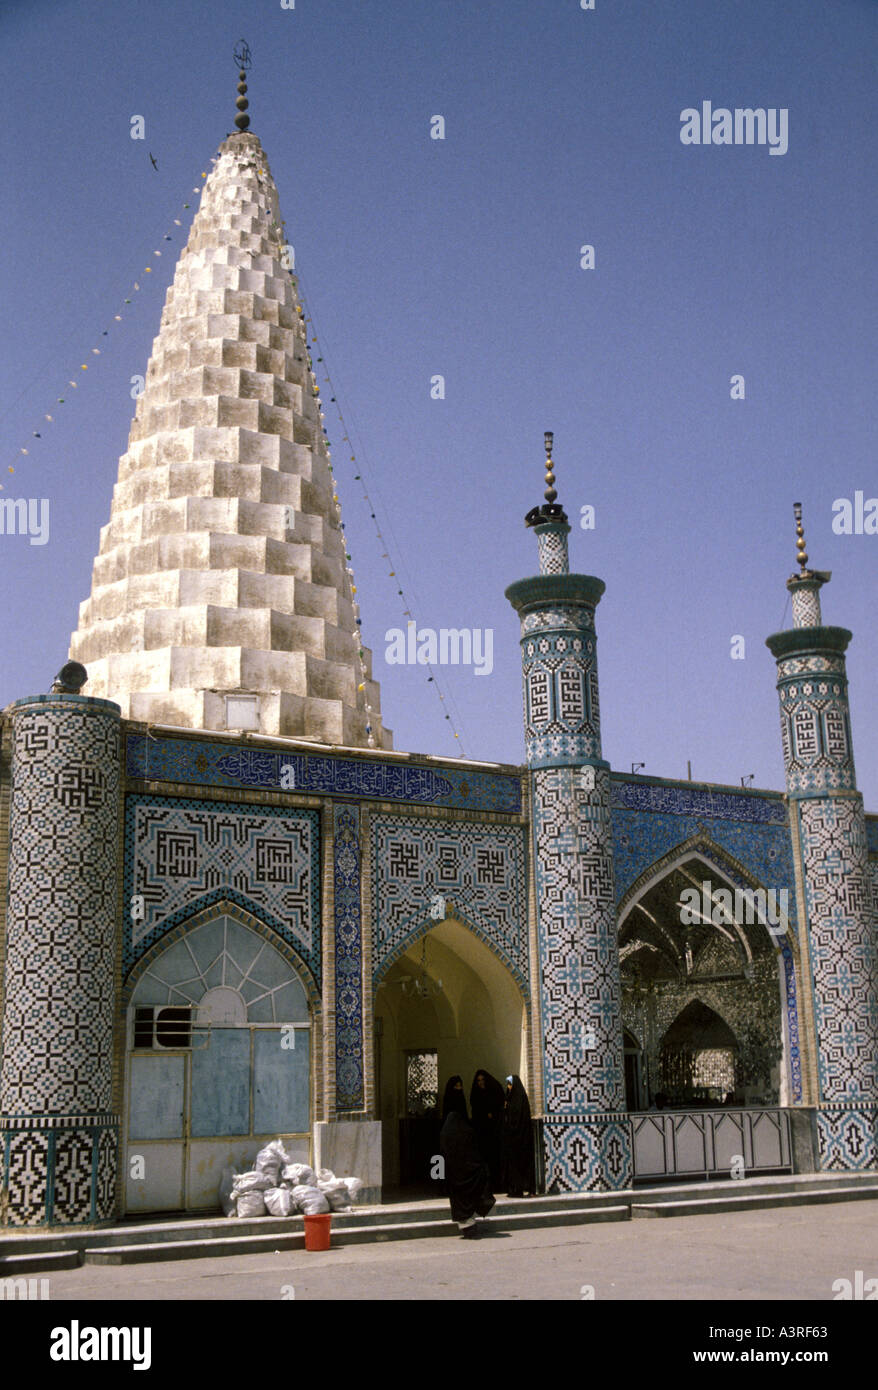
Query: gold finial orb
pixel 801 554
pixel 550 494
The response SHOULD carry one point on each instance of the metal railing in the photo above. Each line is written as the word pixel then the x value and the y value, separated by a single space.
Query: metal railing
pixel 710 1143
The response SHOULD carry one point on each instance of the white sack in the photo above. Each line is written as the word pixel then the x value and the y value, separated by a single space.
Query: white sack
pixel 299 1174
pixel 269 1161
pixel 354 1187
pixel 251 1182
pixel 336 1194
pixel 310 1200
pixel 279 1202
pixel 251 1204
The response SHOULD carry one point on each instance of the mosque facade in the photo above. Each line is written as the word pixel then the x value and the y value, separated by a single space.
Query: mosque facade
pixel 233 911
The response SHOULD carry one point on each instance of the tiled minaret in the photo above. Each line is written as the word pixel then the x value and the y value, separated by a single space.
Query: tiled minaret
pixel 829 845
pixel 587 1132
pixel 223 568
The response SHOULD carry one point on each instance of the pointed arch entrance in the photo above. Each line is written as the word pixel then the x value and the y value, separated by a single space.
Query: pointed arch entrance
pixel 218 1058
pixel 699 1057
pixel 446 1005
pixel 690 936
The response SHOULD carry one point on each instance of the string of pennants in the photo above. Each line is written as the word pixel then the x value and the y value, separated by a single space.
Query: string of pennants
pixel 359 477
pixel 73 383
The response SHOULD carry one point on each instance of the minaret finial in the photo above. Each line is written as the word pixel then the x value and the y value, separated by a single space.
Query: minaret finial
pixel 242 58
pixel 801 555
pixel 550 494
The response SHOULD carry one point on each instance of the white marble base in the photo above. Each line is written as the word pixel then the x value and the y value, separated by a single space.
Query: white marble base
pixel 352 1149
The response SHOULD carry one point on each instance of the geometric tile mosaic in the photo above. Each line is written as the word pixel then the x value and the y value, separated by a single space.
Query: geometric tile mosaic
pixel 480 867
pixel 26 1176
pixel 641 837
pixel 561 702
pixel 348 959
pixel 60 1174
pixel 815 724
pixel 224 765
pixel 847 1137
pixel 107 1168
pixel 588 1153
pixel 182 856
pixel 707 803
pixel 61 922
pixel 844 951
pixel 74 1153
pixel 579 959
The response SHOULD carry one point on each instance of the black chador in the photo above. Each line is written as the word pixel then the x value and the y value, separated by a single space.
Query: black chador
pixel 517 1143
pixel 466 1173
pixel 486 1106
pixel 454 1098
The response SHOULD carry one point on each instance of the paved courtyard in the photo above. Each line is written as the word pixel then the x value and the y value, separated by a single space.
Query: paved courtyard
pixel 792 1254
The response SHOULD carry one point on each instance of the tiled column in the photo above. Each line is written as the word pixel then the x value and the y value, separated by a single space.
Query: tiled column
pixel 841 930
pixel 58 1137
pixel 587 1133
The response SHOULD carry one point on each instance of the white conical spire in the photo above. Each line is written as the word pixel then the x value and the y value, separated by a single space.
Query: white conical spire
pixel 222 569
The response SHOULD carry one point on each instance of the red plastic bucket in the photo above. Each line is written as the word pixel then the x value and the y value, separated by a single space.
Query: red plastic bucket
pixel 317 1231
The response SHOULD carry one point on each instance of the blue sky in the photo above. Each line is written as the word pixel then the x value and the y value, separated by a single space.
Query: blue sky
pixel 461 257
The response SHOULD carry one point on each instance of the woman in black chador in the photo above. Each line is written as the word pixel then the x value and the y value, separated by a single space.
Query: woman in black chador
pixel 517 1145
pixel 466 1173
pixel 486 1105
pixel 454 1098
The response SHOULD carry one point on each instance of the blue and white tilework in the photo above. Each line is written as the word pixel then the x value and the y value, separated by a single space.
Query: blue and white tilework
pixel 649 821
pixel 223 765
pixel 847 1137
pixel 586 1128
pixel 348 959
pixel 588 1153
pixel 56 1080
pixel 844 956
pixel 479 867
pixel 552 549
pixel 815 724
pixel 561 701
pixel 182 856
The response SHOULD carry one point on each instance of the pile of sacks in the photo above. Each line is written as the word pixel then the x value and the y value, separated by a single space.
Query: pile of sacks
pixel 279 1186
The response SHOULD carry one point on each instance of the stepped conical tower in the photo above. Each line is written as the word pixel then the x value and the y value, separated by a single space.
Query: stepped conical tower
pixel 222 570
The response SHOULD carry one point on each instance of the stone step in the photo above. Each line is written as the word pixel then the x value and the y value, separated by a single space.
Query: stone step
pixel 374 1222
pixel 735 1187
pixel 756 1201
pixel 363 1235
pixel 40 1263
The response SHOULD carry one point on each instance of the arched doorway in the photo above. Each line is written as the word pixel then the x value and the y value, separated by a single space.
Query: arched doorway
pixel 218 1061
pixel 698 1059
pixel 689 936
pixel 448 1005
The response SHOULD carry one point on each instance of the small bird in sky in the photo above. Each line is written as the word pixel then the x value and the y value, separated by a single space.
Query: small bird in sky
pixel 154 165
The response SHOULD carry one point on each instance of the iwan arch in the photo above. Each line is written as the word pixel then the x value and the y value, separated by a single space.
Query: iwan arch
pixel 177 909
